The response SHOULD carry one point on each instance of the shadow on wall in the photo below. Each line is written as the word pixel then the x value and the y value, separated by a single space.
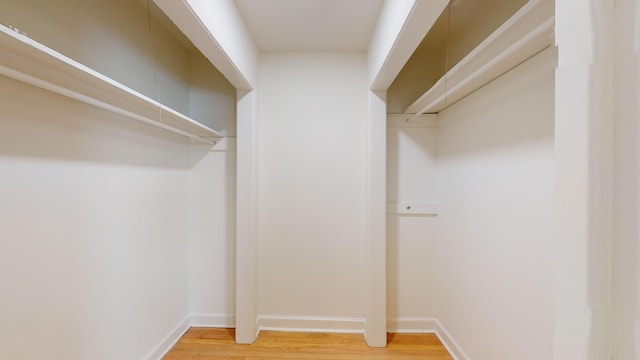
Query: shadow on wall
pixel 504 131
pixel 212 97
pixel 39 124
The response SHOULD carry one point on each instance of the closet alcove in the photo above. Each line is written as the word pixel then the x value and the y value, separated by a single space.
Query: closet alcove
pixel 472 43
pixel 130 226
pixel 470 121
pixel 117 152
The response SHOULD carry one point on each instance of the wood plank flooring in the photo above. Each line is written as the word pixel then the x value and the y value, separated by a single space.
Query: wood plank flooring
pixel 207 343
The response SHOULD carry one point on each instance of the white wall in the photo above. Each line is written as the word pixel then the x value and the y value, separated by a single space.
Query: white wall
pixel 411 271
pixel 494 249
pixel 212 193
pixel 311 135
pixel 411 239
pixel 93 230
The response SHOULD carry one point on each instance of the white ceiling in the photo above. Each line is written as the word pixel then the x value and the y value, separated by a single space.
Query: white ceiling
pixel 282 25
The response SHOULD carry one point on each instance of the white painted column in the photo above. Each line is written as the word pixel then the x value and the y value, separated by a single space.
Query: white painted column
pixel 583 180
pixel 401 27
pixel 247 326
pixel 376 152
pixel 626 238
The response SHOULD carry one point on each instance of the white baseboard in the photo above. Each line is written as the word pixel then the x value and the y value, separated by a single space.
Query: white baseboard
pixel 170 340
pixel 193 320
pixel 213 320
pixel 412 325
pixel 312 324
pixel 450 343
pixel 427 326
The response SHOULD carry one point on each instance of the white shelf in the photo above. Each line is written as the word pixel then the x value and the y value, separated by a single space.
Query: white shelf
pixel 527 32
pixel 28 61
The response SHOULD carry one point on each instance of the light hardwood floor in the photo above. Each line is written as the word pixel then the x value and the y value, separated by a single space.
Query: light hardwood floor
pixel 207 343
